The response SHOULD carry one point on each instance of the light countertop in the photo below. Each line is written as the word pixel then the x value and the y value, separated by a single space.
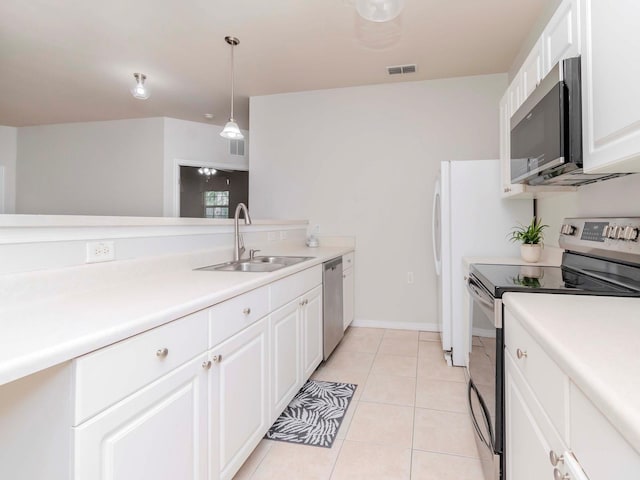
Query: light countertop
pixel 41 333
pixel 596 342
pixel 551 257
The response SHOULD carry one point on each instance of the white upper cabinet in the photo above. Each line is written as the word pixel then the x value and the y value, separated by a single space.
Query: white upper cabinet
pixel 531 71
pixel 559 40
pixel 610 99
pixel 561 36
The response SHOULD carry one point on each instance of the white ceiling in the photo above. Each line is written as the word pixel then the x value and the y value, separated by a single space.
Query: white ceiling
pixel 73 60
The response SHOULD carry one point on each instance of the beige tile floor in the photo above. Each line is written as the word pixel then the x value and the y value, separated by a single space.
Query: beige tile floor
pixel 408 418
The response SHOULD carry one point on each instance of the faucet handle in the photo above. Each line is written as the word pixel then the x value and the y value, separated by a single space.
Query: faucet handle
pixel 252 253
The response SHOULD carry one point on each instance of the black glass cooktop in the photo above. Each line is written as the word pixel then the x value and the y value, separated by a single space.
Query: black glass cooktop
pixel 498 279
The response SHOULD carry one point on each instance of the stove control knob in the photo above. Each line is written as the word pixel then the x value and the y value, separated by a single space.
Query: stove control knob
pixel 605 231
pixel 567 229
pixel 631 233
pixel 613 231
pixel 620 233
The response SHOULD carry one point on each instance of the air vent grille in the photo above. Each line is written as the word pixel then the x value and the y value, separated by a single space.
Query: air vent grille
pixel 236 147
pixel 402 69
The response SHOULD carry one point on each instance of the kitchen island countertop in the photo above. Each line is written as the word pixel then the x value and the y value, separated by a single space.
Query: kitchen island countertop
pixel 45 332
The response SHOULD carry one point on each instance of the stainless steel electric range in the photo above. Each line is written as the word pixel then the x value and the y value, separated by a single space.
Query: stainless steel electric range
pixel 602 257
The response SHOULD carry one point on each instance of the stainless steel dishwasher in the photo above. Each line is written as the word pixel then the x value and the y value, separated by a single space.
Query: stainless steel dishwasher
pixel 333 329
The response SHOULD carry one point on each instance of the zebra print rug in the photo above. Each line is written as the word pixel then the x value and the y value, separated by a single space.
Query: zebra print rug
pixel 314 415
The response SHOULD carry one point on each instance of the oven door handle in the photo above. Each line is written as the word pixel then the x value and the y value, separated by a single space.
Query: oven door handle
pixel 476 292
pixel 485 412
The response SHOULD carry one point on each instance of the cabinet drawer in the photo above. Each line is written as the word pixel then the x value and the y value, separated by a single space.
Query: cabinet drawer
pixel 348 260
pixel 285 290
pixel 112 373
pixel 235 314
pixel 548 382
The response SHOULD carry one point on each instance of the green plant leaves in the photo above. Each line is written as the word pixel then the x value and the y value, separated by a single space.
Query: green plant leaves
pixel 531 234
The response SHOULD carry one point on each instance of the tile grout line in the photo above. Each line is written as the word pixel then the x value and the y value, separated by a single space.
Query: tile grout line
pixel 333 468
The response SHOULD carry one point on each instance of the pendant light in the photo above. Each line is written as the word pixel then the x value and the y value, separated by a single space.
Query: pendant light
pixel 379 10
pixel 231 129
pixel 140 91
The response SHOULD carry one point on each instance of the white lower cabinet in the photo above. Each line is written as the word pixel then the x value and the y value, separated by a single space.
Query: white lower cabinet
pixel 239 398
pixel 286 356
pixel 311 316
pixel 348 296
pixel 529 435
pixel 188 400
pixel 159 432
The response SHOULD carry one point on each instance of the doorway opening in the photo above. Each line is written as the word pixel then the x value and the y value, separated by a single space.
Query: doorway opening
pixel 207 192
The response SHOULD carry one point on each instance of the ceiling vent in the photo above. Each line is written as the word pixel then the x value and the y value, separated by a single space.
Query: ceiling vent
pixel 402 69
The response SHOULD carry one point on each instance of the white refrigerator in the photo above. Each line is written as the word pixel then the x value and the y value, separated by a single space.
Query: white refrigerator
pixel 470 218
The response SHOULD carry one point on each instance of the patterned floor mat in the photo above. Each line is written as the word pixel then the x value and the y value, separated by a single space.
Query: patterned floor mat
pixel 314 415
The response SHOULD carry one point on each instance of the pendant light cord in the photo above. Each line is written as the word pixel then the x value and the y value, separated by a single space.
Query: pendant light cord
pixel 232 80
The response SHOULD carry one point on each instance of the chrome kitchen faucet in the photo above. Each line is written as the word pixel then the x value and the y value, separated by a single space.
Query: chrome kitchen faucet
pixel 238 241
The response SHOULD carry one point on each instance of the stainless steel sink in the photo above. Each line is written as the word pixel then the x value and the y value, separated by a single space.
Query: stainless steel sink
pixel 284 260
pixel 256 264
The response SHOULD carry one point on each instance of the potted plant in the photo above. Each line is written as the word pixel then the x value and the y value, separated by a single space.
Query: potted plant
pixel 531 237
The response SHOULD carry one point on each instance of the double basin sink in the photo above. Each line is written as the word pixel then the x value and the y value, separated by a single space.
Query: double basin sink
pixel 257 264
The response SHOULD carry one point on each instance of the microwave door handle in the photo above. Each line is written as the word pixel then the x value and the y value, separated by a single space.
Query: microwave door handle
pixel 475 293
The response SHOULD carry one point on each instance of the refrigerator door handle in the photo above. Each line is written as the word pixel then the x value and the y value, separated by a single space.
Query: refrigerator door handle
pixel 434 234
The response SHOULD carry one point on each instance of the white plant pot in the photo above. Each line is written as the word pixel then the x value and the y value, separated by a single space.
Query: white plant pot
pixel 530 252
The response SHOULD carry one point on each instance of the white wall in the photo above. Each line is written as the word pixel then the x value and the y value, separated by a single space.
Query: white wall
pixel 196 142
pixel 8 153
pixel 619 197
pixel 92 168
pixel 363 161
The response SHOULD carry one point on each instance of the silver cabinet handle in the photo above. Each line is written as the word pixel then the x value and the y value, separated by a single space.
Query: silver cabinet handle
pixel 217 358
pixel 557 475
pixel 555 459
pixel 521 353
pixel 246 311
pixel 206 365
pixel 301 303
pixel 162 352
pixel 306 301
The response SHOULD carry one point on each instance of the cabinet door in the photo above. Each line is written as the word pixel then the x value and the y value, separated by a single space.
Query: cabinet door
pixel 561 36
pixel 311 331
pixel 531 71
pixel 239 396
pixel 348 291
pixel 159 432
pixel 610 72
pixel 505 149
pixel 529 437
pixel 286 372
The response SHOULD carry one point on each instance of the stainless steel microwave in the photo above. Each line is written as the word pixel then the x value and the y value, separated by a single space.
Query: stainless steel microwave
pixel 546 131
pixel 543 128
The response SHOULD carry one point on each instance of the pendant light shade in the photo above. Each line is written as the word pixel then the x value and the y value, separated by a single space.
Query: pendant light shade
pixel 231 129
pixel 140 91
pixel 379 10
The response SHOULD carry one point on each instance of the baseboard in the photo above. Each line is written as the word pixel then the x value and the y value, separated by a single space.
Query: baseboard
pixel 421 326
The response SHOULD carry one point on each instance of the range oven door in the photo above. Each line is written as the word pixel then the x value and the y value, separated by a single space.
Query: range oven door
pixel 485 373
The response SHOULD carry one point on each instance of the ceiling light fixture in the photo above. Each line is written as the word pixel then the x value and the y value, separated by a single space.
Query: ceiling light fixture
pixel 140 91
pixel 379 10
pixel 207 171
pixel 231 129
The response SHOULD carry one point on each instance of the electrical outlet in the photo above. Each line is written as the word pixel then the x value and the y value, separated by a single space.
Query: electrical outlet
pixel 271 236
pixel 283 234
pixel 102 251
pixel 409 278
